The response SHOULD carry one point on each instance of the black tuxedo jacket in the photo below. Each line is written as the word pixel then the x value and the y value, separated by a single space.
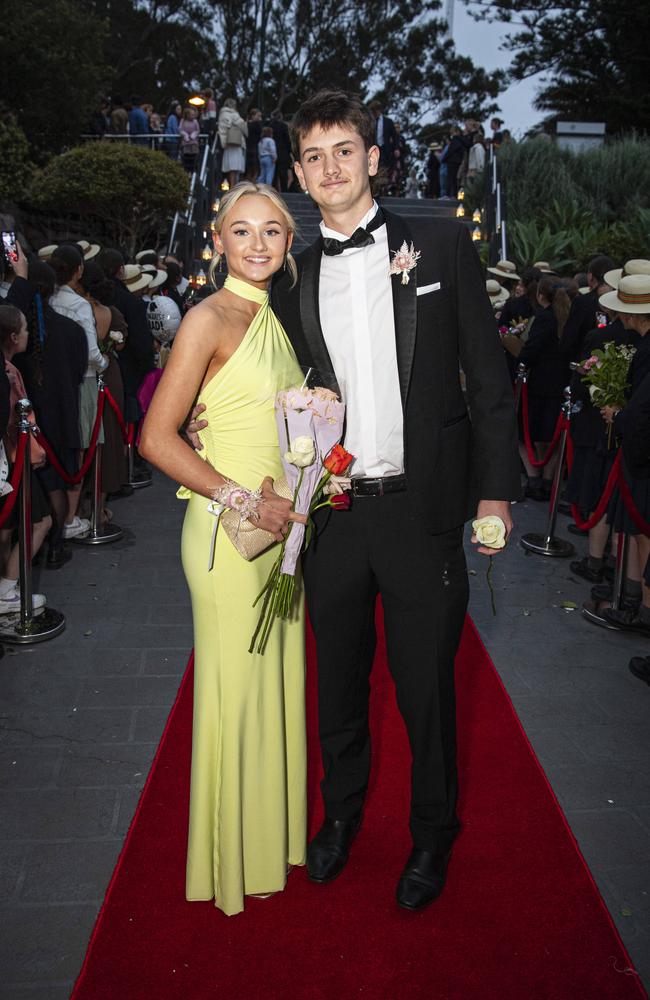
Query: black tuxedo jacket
pixel 458 447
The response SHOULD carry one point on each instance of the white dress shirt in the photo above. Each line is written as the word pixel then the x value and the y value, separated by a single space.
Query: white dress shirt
pixel 356 314
pixel 69 303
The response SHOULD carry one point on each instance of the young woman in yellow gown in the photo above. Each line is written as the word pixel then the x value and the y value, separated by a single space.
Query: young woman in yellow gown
pixel 248 784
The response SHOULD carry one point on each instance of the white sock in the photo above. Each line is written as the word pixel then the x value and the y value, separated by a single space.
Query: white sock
pixel 6 585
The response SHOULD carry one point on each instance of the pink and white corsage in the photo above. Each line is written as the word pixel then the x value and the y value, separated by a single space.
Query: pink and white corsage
pixel 232 496
pixel 405 259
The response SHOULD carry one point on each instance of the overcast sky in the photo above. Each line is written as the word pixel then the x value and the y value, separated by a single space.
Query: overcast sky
pixel 481 41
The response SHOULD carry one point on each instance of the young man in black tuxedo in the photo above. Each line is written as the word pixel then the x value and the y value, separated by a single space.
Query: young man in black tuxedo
pixel 423 466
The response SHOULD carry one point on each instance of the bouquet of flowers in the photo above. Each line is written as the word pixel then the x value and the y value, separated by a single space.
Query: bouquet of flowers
pixel 520 328
pixel 114 340
pixel 310 426
pixel 606 374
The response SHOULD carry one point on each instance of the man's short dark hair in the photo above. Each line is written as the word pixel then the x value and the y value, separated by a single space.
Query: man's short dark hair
pixel 598 266
pixel 327 109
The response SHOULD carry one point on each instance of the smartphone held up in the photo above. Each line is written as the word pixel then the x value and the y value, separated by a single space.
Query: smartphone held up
pixel 9 247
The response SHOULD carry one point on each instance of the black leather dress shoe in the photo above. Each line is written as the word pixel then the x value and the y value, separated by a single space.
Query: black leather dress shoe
pixel 423 879
pixel 57 557
pixel 328 852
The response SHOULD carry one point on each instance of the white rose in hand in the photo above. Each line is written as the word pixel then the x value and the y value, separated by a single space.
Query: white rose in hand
pixel 302 452
pixel 117 336
pixel 490 531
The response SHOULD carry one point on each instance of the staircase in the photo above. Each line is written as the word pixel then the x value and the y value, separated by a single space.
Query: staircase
pixel 307 215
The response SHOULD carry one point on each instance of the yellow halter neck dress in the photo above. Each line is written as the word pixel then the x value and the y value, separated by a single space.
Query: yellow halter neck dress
pixel 248 784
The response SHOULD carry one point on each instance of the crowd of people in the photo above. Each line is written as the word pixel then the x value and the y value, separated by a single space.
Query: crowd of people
pixel 553 325
pixel 69 313
pixel 256 147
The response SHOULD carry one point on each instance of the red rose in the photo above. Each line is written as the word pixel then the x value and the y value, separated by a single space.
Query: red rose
pixel 340 501
pixel 338 460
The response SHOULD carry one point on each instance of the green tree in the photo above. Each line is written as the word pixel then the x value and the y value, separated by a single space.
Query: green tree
pixel 158 50
pixel 594 54
pixel 132 192
pixel 53 70
pixel 15 167
pixel 276 52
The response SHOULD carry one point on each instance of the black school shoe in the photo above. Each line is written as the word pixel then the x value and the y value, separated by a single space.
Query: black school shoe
pixel 582 568
pixel 628 621
pixel 640 667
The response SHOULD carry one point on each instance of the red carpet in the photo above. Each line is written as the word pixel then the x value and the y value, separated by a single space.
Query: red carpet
pixel 520 918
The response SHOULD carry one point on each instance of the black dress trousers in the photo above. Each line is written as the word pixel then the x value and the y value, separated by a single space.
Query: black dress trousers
pixel 380 547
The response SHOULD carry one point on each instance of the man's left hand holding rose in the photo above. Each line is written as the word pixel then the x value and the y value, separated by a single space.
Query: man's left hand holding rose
pixel 493 508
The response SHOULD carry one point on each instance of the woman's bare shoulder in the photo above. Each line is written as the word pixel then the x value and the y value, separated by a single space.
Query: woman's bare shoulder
pixel 206 319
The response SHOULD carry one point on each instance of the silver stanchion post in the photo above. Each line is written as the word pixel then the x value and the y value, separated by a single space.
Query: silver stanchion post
pixel 48 623
pixel 592 610
pixel 522 374
pixel 137 480
pixel 99 534
pixel 547 544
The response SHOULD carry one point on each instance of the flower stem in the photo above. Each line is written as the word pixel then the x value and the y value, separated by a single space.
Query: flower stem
pixel 488 577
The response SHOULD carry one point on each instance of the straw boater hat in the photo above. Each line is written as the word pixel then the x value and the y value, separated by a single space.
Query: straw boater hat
pixel 148 269
pixel 631 296
pixel 46 252
pixel 505 269
pixel 498 294
pixel 134 278
pixel 89 250
pixel 632 267
pixel 157 279
pixel 145 253
pixel 544 267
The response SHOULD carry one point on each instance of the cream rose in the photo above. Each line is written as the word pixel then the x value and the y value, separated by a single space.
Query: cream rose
pixel 117 336
pixel 490 531
pixel 302 452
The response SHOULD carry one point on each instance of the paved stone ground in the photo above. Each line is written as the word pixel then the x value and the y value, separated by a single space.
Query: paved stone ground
pixel 81 717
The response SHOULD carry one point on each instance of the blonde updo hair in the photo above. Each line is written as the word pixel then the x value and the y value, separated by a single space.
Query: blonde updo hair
pixel 229 201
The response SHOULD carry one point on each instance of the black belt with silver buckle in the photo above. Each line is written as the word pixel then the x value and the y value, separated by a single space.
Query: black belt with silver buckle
pixel 367 487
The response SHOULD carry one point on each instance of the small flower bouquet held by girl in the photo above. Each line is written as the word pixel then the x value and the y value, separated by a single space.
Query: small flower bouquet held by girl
pixel 606 375
pixel 519 328
pixel 310 426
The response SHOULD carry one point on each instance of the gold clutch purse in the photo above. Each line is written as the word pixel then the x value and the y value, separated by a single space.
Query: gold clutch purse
pixel 249 540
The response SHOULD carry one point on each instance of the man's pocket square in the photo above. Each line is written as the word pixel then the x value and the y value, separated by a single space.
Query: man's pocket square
pixel 425 289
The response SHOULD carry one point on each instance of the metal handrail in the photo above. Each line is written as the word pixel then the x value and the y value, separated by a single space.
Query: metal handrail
pixel 141 135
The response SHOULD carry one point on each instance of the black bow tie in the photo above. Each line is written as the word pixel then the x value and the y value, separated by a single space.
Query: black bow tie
pixel 360 237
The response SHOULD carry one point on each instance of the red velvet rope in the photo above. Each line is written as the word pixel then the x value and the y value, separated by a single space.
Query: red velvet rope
pixel 616 476
pixel 90 454
pixel 538 463
pixel 126 431
pixel 16 476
